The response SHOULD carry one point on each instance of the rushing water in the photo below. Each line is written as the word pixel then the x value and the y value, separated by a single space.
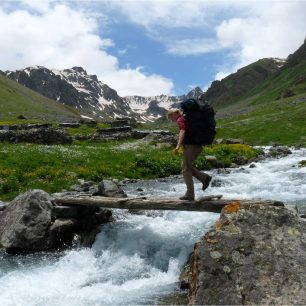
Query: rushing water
pixel 137 259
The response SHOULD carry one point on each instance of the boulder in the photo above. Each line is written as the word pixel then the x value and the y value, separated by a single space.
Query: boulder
pixel 216 163
pixel 253 255
pixel 24 224
pixel 64 230
pixel 108 188
pixel 302 163
pixel 278 150
pixel 31 222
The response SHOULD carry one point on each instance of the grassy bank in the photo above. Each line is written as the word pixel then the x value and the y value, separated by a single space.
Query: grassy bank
pixel 281 121
pixel 53 168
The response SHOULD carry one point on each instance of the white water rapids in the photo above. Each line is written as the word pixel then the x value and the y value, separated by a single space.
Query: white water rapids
pixel 138 258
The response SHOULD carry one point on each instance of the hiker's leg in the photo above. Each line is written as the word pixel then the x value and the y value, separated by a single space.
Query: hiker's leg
pixel 187 170
pixel 202 177
pixel 195 151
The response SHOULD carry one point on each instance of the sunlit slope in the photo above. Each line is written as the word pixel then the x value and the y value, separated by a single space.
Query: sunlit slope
pixel 16 100
pixel 274 111
pixel 282 121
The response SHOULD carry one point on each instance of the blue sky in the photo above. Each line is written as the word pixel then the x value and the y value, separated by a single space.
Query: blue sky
pixel 149 47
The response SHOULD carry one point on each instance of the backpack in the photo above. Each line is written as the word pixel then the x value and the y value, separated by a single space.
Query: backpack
pixel 201 118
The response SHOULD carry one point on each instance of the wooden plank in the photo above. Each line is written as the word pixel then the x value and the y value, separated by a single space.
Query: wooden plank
pixel 206 204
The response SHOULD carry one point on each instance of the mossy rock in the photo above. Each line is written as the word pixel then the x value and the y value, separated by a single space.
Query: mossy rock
pixel 302 163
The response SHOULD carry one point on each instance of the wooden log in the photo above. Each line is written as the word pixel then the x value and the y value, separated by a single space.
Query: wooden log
pixel 206 204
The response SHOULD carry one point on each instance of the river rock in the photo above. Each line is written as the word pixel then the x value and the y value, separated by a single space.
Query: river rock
pixel 278 150
pixel 253 255
pixel 216 163
pixel 302 163
pixel 108 188
pixel 31 222
pixel 24 224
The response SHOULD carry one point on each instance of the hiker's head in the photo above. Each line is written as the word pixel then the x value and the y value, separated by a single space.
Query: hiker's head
pixel 173 114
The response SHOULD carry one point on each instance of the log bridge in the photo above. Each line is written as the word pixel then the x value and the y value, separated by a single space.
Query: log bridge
pixel 213 203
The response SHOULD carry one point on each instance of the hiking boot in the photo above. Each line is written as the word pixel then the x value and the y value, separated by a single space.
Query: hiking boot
pixel 187 198
pixel 206 180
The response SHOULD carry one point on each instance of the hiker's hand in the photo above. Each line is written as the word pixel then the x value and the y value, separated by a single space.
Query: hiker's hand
pixel 176 150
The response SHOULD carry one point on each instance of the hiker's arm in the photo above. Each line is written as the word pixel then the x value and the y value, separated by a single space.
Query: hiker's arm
pixel 180 140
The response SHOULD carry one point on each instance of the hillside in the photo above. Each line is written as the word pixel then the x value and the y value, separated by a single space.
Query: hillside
pixel 16 100
pixel 274 110
pixel 281 121
pixel 288 81
pixel 260 82
pixel 236 86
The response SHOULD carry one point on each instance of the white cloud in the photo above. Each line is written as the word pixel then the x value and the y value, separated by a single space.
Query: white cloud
pixel 164 13
pixel 37 5
pixel 195 46
pixel 272 29
pixel 246 30
pixel 60 37
pixel 129 81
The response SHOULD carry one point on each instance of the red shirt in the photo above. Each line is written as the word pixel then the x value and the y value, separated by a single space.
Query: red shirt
pixel 183 124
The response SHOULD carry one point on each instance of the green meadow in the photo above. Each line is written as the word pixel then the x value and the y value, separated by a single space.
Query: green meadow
pixel 54 168
pixel 281 121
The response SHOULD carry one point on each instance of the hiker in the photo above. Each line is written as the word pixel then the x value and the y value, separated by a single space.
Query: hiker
pixel 190 153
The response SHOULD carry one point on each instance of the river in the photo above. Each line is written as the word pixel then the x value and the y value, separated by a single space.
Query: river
pixel 137 259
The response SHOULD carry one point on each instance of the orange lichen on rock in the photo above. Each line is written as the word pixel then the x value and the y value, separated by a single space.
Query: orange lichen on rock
pixel 232 207
pixel 211 240
pixel 218 225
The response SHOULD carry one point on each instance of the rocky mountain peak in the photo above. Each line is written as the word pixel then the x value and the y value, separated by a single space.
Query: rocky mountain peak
pixel 194 93
pixel 77 69
pixel 74 87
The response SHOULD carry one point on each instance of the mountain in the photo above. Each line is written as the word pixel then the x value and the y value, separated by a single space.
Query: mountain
pixel 157 106
pixel 17 100
pixel 152 106
pixel 75 88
